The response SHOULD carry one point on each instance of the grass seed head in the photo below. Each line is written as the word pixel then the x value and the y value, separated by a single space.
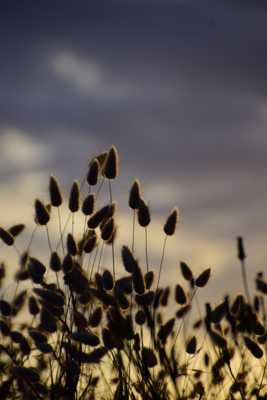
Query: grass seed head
pixel 93 172
pixel 55 262
pixel 149 279
pixel 88 205
pixel 171 222
pixel 240 249
pixel 16 230
pixel 74 198
pixel 135 196
pixel 253 347
pixel 55 192
pixel 143 214
pixel 149 358
pixel 180 295
pixel 111 166
pixel 203 278
pixel 42 215
pixel 71 245
pixel 6 237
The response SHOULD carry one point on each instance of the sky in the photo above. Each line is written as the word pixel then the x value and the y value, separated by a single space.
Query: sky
pixel 180 87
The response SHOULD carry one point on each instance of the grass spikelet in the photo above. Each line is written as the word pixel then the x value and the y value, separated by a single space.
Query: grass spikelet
pixel 165 330
pixel 240 249
pixel 18 302
pixel 5 308
pixel 44 348
pixel 183 311
pixel 95 356
pixel 67 263
pixel 138 280
pixel 124 285
pixel 88 205
pixel 149 358
pixel 4 327
pixel 107 280
pixel 93 172
pixel 37 336
pixel 203 278
pixel 180 295
pixel 74 198
pixel 55 262
pixel 107 229
pixel 140 317
pixel 34 308
pixel 50 296
pixel 143 214
pixel 149 279
pixel 253 347
pixel 85 338
pixel 145 299
pixel 90 243
pixel 134 196
pixel 96 317
pixel 48 321
pixel 6 237
pixel 121 299
pixel 171 222
pixel 261 285
pixel 55 192
pixel 129 262
pixel 29 374
pixel 71 245
pixel 186 272
pixel 42 215
pixel 191 345
pixel 96 219
pixel 218 339
pixel 16 230
pixel 37 266
pixel 218 312
pixel 77 280
pixel 111 166
pixel 165 297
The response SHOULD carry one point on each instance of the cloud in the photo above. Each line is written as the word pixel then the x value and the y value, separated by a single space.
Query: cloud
pixel 88 77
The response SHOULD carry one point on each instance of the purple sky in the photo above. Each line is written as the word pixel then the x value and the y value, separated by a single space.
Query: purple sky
pixel 180 87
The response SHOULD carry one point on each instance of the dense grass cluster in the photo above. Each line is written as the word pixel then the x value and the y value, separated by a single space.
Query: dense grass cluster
pixel 73 330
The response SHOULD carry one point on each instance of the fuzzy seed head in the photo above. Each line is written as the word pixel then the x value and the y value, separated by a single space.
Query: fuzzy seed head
pixel 240 249
pixel 6 237
pixel 93 172
pixel 88 205
pixel 55 193
pixel 170 224
pixel 135 196
pixel 111 166
pixel 143 214
pixel 74 199
pixel 16 230
pixel 41 213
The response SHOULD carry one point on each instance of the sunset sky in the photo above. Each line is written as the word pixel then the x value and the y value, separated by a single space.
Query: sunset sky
pixel 180 87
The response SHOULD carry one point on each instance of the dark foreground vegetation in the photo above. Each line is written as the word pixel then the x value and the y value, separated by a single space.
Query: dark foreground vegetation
pixel 71 329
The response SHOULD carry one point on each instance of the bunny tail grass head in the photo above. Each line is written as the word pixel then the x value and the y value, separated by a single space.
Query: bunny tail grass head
pixel 143 214
pixel 41 213
pixel 93 172
pixel 6 237
pixel 135 196
pixel 55 193
pixel 171 222
pixel 74 199
pixel 111 166
pixel 240 249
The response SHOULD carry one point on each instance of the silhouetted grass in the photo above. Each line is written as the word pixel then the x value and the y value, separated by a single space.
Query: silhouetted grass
pixel 75 331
